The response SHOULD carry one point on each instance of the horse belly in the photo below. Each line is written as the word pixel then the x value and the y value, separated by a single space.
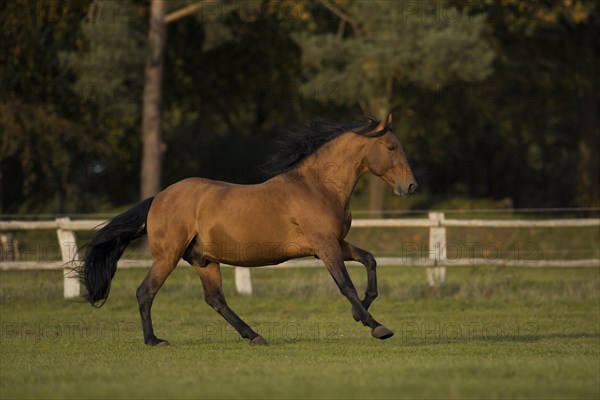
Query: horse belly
pixel 254 254
pixel 250 245
pixel 254 251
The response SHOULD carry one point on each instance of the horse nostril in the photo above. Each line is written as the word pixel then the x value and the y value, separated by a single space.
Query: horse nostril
pixel 412 187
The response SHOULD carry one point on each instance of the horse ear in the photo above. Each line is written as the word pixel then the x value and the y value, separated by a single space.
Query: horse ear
pixel 385 123
pixel 388 120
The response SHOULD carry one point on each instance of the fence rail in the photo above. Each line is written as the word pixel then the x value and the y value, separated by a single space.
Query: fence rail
pixel 86 225
pixel 436 261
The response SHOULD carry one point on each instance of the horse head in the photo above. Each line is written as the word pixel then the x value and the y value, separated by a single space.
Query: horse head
pixel 385 157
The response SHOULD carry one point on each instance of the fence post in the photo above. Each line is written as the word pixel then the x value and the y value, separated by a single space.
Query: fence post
pixel 9 247
pixel 243 280
pixel 436 275
pixel 68 249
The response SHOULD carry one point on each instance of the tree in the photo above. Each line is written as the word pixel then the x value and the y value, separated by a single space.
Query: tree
pixel 390 42
pixel 237 88
pixel 549 71
pixel 41 137
pixel 153 146
pixel 108 70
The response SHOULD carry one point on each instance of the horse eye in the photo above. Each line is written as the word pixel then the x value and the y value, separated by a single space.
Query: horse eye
pixel 391 147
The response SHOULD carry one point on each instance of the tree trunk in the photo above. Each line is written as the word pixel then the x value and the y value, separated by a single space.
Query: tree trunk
pixel 150 175
pixel 379 108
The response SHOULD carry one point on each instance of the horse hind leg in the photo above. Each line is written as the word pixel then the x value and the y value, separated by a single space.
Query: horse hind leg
pixel 210 275
pixel 161 269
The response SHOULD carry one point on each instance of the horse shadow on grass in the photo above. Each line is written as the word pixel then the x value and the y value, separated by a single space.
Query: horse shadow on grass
pixel 501 338
pixel 399 338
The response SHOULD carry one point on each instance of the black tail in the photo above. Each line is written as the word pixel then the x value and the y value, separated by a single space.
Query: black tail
pixel 105 249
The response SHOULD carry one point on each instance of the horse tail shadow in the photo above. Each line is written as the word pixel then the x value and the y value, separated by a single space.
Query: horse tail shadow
pixel 106 247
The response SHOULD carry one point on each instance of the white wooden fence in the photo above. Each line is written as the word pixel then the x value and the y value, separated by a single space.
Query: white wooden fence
pixel 436 260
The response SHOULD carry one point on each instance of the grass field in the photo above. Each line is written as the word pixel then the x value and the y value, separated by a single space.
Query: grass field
pixel 489 333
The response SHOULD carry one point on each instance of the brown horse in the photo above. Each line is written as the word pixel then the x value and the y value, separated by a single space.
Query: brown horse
pixel 302 211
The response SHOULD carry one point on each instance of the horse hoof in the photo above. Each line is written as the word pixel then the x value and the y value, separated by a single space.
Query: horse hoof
pixel 156 342
pixel 381 332
pixel 258 341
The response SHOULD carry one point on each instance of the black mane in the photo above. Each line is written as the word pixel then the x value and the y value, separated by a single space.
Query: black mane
pixel 302 142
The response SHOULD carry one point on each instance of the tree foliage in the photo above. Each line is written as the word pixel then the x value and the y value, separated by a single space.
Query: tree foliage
pixel 493 99
pixel 39 130
pixel 392 45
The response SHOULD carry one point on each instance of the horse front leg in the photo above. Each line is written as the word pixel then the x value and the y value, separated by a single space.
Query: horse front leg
pixel 331 254
pixel 355 253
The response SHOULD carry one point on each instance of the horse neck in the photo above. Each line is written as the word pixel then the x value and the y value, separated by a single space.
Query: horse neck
pixel 337 166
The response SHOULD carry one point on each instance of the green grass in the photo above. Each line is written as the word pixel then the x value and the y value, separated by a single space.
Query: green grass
pixel 489 333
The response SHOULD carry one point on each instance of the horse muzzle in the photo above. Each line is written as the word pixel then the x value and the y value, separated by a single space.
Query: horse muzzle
pixel 407 191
